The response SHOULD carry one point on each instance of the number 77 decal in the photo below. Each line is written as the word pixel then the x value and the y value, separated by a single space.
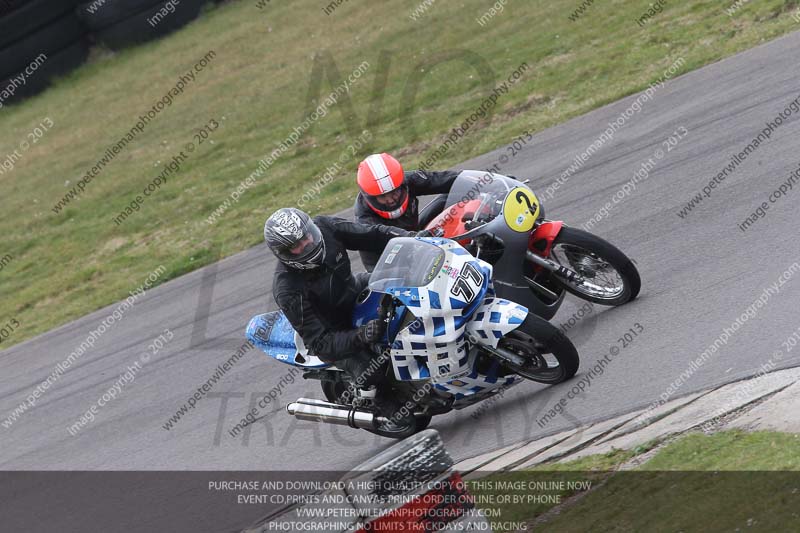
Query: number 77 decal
pixel 468 283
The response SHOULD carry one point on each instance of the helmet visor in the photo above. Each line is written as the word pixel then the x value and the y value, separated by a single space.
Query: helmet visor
pixel 306 250
pixel 389 201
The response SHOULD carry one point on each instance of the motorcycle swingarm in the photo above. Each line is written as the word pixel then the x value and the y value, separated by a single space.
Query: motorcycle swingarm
pixel 432 403
pixel 325 375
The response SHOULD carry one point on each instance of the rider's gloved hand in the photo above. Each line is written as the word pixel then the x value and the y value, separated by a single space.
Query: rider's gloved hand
pixel 372 332
pixel 437 231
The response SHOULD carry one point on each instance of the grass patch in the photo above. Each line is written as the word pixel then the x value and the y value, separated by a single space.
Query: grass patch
pixel 730 450
pixel 490 490
pixel 258 89
pixel 728 481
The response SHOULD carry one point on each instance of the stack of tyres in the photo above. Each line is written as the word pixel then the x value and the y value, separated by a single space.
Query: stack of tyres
pixel 7 6
pixel 121 23
pixel 39 40
pixel 409 487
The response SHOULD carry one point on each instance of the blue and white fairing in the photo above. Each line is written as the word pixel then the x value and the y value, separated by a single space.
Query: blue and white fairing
pixel 447 297
pixel 450 296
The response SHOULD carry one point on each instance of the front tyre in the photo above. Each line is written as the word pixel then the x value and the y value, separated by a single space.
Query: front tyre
pixel 550 357
pixel 607 276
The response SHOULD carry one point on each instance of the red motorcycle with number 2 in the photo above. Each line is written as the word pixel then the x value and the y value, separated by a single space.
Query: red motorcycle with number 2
pixel 536 261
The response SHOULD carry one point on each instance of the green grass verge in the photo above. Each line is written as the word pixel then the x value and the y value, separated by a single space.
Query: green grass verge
pixel 729 481
pixel 594 469
pixel 258 88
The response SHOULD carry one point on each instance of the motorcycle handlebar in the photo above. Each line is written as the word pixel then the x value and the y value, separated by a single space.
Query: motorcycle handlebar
pixel 385 308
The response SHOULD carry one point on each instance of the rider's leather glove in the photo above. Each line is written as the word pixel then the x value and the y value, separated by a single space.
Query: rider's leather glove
pixel 437 231
pixel 372 332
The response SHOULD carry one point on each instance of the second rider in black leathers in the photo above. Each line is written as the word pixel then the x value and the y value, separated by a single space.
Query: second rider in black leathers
pixel 388 195
pixel 316 289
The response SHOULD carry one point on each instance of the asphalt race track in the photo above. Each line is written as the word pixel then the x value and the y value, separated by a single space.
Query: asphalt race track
pixel 699 274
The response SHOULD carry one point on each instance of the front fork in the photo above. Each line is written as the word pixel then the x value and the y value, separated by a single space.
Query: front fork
pixel 540 244
pixel 500 354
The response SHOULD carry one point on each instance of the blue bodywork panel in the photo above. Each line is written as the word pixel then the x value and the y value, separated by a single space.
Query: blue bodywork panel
pixel 275 336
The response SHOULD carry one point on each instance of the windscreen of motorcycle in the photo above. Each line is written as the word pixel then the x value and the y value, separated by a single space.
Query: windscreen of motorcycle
pixel 478 198
pixel 406 262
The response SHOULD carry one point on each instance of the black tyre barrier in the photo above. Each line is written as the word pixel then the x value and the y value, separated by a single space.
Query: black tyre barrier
pixel 31 16
pixel 8 6
pixel 379 495
pixel 47 40
pixel 57 64
pixel 100 14
pixel 138 28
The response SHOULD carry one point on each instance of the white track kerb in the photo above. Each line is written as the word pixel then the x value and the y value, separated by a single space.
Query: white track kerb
pixel 722 340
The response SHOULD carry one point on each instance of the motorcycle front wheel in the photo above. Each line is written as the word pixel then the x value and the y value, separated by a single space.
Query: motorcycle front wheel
pixel 607 276
pixel 550 357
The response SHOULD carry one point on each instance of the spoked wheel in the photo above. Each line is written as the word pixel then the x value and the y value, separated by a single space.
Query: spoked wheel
pixel 550 357
pixel 400 429
pixel 607 276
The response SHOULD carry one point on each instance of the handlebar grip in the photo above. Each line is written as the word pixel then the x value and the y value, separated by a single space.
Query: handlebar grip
pixel 385 308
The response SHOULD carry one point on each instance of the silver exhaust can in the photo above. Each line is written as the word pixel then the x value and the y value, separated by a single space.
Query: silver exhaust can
pixel 330 413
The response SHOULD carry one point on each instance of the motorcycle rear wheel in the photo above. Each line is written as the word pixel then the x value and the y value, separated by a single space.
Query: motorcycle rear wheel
pixel 334 393
pixel 534 339
pixel 402 431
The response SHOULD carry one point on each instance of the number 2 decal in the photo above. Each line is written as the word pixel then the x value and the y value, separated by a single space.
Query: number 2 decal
pixel 521 209
pixel 523 199
pixel 464 284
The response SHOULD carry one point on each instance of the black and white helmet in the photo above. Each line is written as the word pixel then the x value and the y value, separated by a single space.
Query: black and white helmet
pixel 294 239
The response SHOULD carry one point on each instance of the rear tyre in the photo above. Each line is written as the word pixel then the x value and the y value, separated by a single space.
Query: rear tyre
pixel 550 357
pixel 29 17
pixel 403 429
pixel 9 6
pixel 46 40
pixel 137 28
pixel 334 392
pixel 609 277
pixel 57 64
pixel 111 11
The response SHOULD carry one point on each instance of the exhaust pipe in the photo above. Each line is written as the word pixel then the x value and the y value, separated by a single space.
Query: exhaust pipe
pixel 320 403
pixel 331 413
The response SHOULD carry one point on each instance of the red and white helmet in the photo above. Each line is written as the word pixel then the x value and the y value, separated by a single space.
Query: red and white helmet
pixel 380 178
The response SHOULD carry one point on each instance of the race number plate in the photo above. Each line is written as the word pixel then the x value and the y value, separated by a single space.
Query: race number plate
pixel 521 209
